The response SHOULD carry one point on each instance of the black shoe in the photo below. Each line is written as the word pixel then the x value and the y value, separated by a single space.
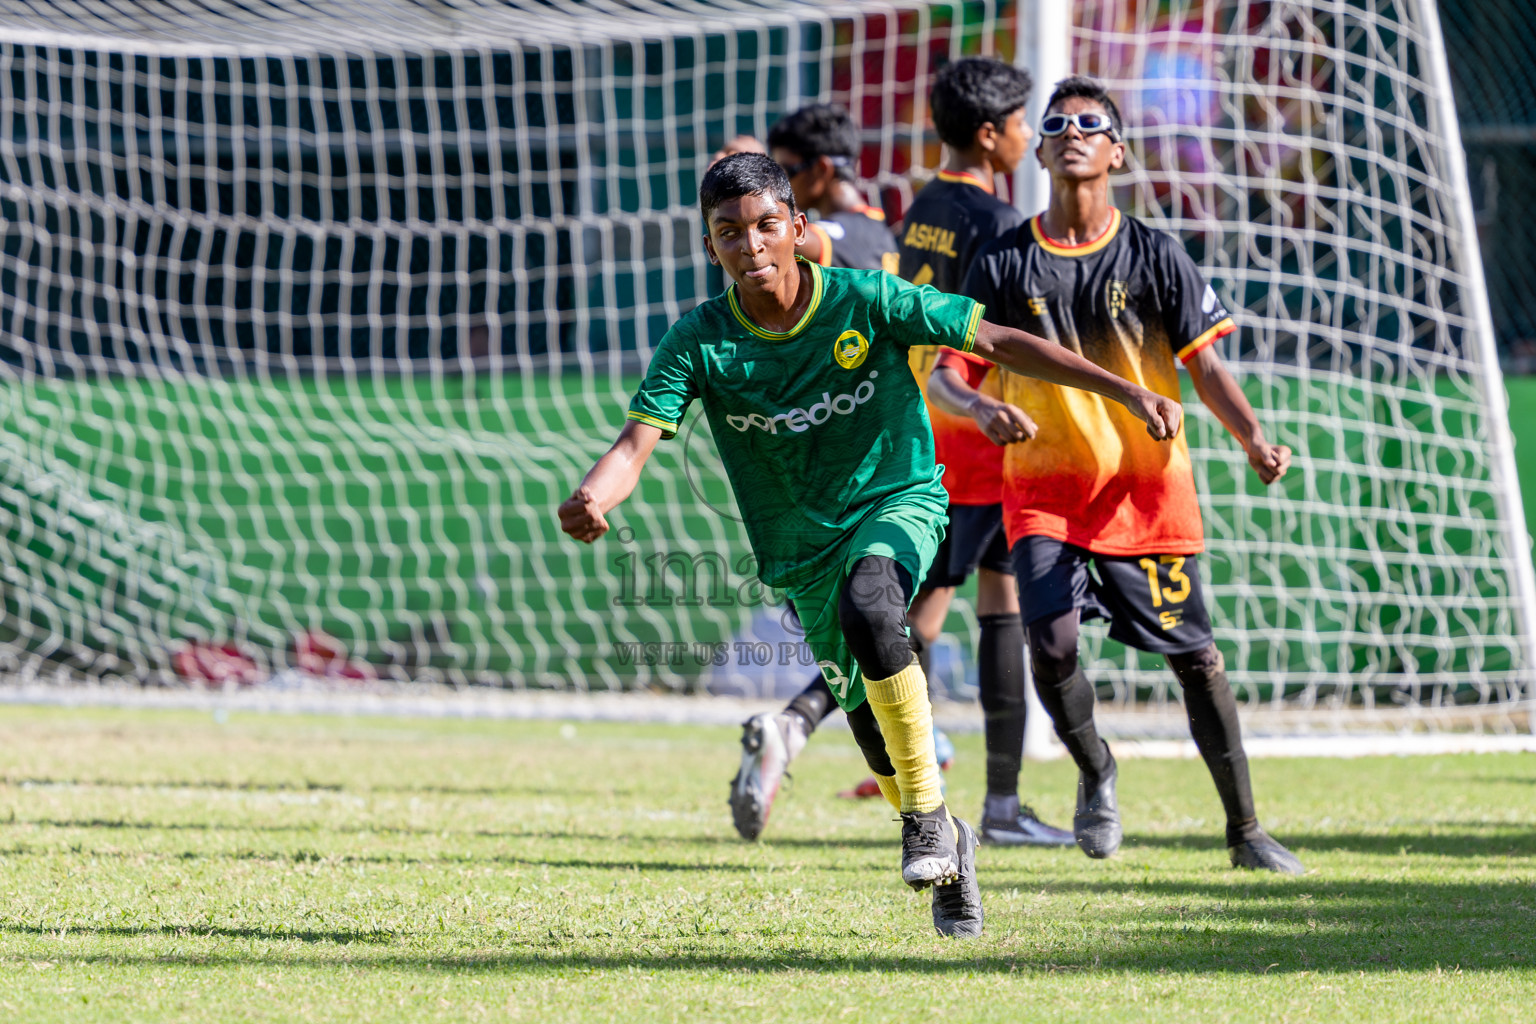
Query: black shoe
pixel 1264 853
pixel 928 852
pixel 957 906
pixel 1096 825
pixel 1025 829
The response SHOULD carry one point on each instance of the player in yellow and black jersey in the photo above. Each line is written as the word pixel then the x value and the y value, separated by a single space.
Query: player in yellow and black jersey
pixel 978 109
pixel 959 211
pixel 1102 520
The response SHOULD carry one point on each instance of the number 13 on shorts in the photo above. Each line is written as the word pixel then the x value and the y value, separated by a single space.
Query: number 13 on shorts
pixel 1175 592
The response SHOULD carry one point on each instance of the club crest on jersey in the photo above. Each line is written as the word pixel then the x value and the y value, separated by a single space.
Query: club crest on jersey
pixel 1115 294
pixel 850 350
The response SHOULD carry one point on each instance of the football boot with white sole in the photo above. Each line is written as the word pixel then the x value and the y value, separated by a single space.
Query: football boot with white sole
pixel 767 744
pixel 929 854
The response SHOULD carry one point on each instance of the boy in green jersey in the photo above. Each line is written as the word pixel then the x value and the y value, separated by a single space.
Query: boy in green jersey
pixel 802 372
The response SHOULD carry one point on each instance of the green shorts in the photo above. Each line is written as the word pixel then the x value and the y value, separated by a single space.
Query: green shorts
pixel 905 530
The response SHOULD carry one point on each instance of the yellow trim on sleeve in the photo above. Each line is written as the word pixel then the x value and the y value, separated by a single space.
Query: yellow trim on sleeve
pixel 651 421
pixel 805 320
pixel 1208 338
pixel 1088 248
pixel 972 325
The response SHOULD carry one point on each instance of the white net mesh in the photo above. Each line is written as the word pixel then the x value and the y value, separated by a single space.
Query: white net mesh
pixel 314 312
pixel 1304 154
pixel 1490 46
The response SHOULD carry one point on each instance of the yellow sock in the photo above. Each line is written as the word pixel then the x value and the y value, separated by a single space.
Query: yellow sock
pixel 900 704
pixel 889 789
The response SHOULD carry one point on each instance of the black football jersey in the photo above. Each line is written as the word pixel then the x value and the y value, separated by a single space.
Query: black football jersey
pixel 1133 302
pixel 950 219
pixel 859 239
pixel 1128 299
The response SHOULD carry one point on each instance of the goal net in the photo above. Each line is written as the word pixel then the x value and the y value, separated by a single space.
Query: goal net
pixel 1308 157
pixel 313 313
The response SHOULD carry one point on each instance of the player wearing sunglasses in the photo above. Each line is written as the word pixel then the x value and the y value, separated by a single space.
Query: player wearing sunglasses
pixel 1087 490
pixel 1087 122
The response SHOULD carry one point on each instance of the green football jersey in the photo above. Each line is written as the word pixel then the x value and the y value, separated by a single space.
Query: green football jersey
pixel 819 425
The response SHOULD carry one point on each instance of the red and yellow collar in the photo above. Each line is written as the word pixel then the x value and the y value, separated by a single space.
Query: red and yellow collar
pixel 1087 248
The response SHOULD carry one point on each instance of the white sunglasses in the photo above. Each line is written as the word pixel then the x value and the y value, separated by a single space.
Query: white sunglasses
pixel 1089 123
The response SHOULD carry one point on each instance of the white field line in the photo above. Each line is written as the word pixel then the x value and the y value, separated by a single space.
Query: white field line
pixel 1137 734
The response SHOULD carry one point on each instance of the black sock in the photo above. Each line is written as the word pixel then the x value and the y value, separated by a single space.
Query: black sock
pixel 1213 723
pixel 921 649
pixel 1070 705
pixel 813 704
pixel 866 733
pixel 1066 692
pixel 1001 670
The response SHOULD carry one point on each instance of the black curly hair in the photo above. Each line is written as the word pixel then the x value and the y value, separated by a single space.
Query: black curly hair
pixel 969 93
pixel 822 129
pixel 744 174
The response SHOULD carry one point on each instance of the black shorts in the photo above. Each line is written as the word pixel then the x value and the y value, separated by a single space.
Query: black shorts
pixel 1153 602
pixel 974 538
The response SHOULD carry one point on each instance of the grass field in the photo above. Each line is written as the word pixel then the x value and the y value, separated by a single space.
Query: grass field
pixel 159 866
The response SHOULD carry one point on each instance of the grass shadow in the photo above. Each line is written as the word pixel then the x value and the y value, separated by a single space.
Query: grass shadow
pixel 183 931
pixel 1502 841
pixel 308 786
pixel 546 835
pixel 306 856
pixel 1245 925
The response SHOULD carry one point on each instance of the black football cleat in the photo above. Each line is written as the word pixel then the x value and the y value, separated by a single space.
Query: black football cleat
pixel 1024 829
pixel 957 904
pixel 1096 825
pixel 1265 853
